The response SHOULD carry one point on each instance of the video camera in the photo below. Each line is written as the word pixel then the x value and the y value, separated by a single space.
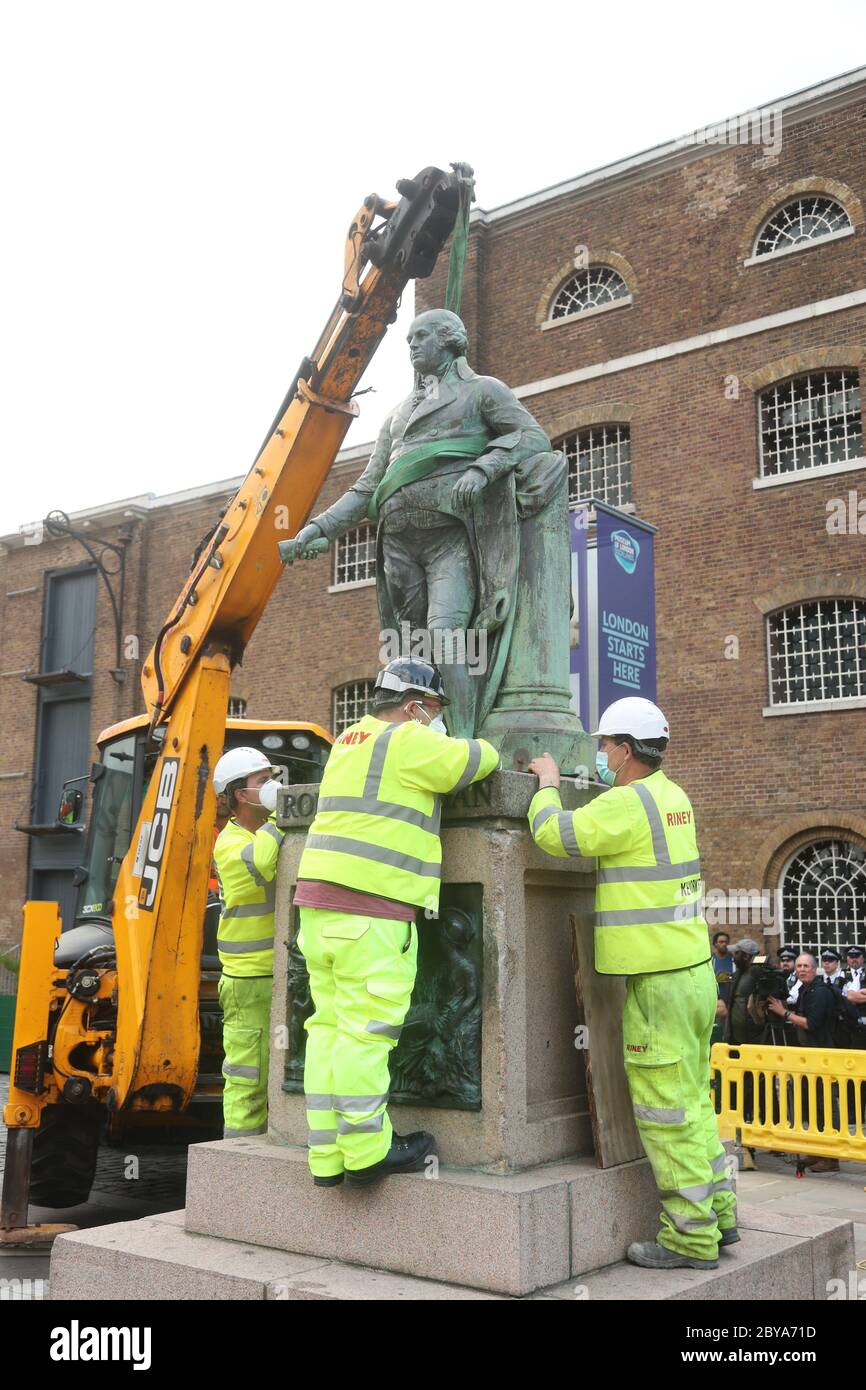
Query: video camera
pixel 768 982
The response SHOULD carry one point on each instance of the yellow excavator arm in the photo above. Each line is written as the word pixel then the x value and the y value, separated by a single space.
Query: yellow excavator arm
pixel 161 889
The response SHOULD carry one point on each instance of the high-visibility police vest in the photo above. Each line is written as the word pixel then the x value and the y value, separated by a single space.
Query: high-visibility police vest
pixel 376 827
pixel 648 915
pixel 246 864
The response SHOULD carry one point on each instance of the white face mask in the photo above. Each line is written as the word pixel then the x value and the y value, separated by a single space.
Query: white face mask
pixel 267 793
pixel 437 724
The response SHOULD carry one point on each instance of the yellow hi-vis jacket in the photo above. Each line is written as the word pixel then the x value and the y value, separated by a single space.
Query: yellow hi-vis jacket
pixel 648 914
pixel 246 865
pixel 376 827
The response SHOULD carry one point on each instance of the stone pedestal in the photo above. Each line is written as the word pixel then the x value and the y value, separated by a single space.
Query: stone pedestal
pixel 532 1093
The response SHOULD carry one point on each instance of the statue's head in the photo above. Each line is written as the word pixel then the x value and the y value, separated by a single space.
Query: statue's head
pixel 435 338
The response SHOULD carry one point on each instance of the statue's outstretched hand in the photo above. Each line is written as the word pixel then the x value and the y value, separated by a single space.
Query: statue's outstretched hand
pixel 308 542
pixel 467 488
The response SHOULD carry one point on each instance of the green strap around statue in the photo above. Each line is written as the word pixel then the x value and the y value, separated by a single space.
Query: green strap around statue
pixel 420 463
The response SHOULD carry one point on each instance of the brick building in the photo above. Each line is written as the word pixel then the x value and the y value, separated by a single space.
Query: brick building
pixel 690 326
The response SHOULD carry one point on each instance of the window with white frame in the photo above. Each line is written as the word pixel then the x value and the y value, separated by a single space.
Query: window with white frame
pixel 351 703
pixel 237 707
pixel 809 421
pixel 817 651
pixel 593 288
pixel 824 896
pixel 808 218
pixel 355 556
pixel 599 464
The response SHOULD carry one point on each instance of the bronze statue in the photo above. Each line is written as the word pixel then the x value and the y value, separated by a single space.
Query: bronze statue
pixel 473 559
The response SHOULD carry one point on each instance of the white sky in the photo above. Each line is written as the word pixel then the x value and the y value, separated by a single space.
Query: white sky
pixel 178 180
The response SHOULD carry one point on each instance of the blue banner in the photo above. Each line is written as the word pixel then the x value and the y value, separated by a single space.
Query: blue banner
pixel 578 529
pixel 626 610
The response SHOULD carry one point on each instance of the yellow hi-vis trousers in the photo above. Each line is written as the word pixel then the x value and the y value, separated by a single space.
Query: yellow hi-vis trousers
pixel 362 970
pixel 666 1024
pixel 246 1006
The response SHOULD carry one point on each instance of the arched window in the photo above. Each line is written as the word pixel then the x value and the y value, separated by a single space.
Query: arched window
pixel 594 288
pixel 824 895
pixel 810 421
pixel 351 703
pixel 599 464
pixel 817 651
pixel 355 557
pixel 810 217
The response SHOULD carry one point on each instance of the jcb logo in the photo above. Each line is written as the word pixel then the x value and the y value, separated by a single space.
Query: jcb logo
pixel 158 833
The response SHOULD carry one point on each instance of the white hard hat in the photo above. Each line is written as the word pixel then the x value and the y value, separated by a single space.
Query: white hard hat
pixel 635 716
pixel 237 763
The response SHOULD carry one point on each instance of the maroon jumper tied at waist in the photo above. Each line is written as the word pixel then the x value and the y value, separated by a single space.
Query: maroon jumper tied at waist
pixel 333 897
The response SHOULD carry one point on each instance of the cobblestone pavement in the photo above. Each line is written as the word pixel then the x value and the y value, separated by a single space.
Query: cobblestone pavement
pixel 159 1184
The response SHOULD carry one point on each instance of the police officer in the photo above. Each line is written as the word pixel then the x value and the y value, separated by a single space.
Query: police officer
pixel 373 858
pixel 245 858
pixel 650 927
pixel 833 974
pixel 787 956
pixel 787 960
pixel 854 990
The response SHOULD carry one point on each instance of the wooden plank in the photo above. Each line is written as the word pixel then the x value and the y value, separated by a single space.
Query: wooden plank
pixel 600 1000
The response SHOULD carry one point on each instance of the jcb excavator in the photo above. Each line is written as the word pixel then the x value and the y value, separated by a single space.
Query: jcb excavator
pixel 115 1030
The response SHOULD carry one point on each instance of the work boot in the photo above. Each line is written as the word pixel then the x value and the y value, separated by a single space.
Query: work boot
pixel 332 1180
pixel 729 1237
pixel 651 1255
pixel 407 1154
pixel 823 1165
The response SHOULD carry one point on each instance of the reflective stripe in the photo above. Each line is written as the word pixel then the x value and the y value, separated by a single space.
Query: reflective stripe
pixel 247 859
pixel 373 1126
pixel 272 830
pixel 728 1185
pixel 657 1115
pixel 688 1223
pixel 242 948
pixel 235 1069
pixel 369 806
pixel 377 763
pixel 541 816
pixel 473 763
pixel 660 844
pixel 719 1164
pixel 649 873
pixel 566 830
pixel 388 1030
pixel 319 1102
pixel 358 1105
pixel 347 1105
pixel 321 1136
pixel 244 1133
pixel 638 916
pixel 339 844
pixel 247 910
pixel 700 1193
